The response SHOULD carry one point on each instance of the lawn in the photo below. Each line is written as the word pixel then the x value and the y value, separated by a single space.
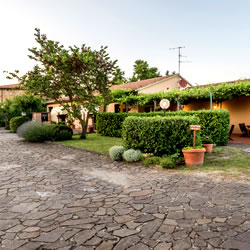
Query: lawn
pixel 93 142
pixel 224 161
pixel 227 161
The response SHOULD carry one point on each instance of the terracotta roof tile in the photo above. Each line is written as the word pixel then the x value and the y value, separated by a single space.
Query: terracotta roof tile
pixel 9 86
pixel 219 83
pixel 140 84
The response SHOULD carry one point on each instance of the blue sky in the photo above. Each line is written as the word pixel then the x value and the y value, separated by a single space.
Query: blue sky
pixel 216 33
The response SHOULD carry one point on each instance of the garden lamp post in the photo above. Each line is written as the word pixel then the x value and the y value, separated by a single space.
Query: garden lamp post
pixel 164 103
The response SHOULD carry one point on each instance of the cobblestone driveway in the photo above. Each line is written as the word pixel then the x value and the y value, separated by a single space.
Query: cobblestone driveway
pixel 55 197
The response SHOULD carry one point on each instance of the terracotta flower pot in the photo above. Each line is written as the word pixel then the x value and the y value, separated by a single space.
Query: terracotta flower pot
pixel 194 157
pixel 208 147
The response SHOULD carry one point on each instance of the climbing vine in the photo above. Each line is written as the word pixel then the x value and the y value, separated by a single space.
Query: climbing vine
pixel 220 93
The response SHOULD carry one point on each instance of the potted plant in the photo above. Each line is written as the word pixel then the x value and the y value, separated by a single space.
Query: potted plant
pixel 207 143
pixel 194 156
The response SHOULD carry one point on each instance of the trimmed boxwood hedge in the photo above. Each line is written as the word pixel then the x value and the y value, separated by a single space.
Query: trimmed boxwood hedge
pixel 15 122
pixel 110 124
pixel 214 123
pixel 159 135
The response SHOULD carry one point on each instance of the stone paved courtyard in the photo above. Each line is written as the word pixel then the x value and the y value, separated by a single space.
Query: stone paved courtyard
pixel 56 197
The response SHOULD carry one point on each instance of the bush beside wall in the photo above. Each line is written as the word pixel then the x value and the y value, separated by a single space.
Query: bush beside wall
pixel 159 135
pixel 214 124
pixel 15 122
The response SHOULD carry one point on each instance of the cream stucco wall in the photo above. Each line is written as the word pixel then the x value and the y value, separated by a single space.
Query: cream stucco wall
pixel 166 85
pixel 54 118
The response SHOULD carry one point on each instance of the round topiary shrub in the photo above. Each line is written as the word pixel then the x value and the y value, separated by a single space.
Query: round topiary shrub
pixel 62 132
pixel 17 121
pixel 116 152
pixel 131 155
pixel 36 132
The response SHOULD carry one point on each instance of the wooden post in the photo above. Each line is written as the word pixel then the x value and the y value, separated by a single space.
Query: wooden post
pixel 194 128
pixel 194 139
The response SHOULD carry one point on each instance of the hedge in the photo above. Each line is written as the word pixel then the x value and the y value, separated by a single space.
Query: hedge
pixel 159 135
pixel 15 122
pixel 214 123
pixel 110 124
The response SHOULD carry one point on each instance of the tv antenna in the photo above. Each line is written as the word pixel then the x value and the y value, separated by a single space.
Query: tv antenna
pixel 179 57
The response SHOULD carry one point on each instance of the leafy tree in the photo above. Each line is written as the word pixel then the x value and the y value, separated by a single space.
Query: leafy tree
pixel 72 77
pixel 119 77
pixel 27 104
pixel 142 71
pixel 24 103
pixel 5 112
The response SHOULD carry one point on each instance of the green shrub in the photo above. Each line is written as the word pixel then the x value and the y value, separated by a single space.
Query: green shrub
pixel 110 124
pixel 116 152
pixel 154 160
pixel 131 155
pixel 2 123
pixel 167 162
pixel 15 122
pixel 159 135
pixel 214 123
pixel 62 132
pixel 36 132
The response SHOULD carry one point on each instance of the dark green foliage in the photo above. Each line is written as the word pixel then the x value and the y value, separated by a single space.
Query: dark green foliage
pixel 15 122
pixel 62 132
pixel 2 123
pixel 142 71
pixel 158 135
pixel 214 124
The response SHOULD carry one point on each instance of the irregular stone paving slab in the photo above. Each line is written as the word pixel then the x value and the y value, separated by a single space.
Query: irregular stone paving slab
pixel 56 197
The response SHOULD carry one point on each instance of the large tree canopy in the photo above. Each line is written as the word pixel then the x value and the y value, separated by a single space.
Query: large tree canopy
pixel 71 77
pixel 142 71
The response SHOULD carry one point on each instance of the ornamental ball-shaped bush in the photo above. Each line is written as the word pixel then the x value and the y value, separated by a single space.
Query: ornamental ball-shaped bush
pixel 62 132
pixel 116 152
pixel 36 132
pixel 17 121
pixel 131 155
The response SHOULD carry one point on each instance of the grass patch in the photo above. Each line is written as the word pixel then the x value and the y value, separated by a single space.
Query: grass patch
pixel 225 161
pixel 93 142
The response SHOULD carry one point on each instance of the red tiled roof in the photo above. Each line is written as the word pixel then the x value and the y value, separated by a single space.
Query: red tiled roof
pixel 9 86
pixel 219 83
pixel 140 84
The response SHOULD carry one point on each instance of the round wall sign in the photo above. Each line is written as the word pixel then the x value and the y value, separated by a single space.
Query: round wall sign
pixel 183 83
pixel 164 103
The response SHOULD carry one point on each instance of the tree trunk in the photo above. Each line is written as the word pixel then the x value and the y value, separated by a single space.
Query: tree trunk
pixel 84 125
